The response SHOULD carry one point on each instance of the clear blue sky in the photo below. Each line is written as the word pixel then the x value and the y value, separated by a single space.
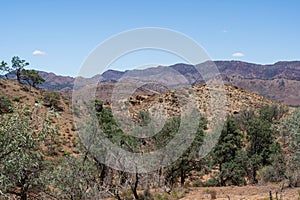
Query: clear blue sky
pixel 67 31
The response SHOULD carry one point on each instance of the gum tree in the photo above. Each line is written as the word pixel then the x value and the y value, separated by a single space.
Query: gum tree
pixel 290 133
pixel 21 156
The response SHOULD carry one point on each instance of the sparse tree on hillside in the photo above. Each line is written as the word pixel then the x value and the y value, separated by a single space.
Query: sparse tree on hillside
pixel 18 65
pixel 52 99
pixel 21 157
pixel 73 178
pixel 261 146
pixel 31 77
pixel 5 69
pixel 290 133
pixel 229 156
pixel 189 160
pixel 261 140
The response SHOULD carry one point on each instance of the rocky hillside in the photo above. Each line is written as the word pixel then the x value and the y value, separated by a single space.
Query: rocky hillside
pixel 279 81
pixel 237 99
pixel 281 90
pixel 35 100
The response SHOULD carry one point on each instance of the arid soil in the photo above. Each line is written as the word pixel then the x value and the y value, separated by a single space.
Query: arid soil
pixel 242 193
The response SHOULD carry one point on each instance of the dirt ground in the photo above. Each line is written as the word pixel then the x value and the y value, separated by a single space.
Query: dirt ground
pixel 242 193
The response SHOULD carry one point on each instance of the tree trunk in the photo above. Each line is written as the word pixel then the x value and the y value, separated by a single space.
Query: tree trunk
pixel 254 175
pixel 24 189
pixel 222 182
pixel 102 174
pixel 134 188
pixel 159 176
pixel 182 176
pixel 19 75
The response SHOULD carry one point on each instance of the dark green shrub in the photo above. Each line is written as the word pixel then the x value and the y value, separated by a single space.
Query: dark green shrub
pixel 52 99
pixel 5 105
pixel 210 182
pixel 16 98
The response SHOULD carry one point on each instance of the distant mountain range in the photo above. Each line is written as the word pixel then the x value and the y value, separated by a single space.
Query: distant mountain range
pixel 279 81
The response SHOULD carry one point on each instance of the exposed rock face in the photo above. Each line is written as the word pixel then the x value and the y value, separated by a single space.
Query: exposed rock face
pixel 237 99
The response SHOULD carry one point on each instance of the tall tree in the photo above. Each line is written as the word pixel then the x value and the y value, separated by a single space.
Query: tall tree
pixel 21 157
pixel 261 138
pixel 31 77
pixel 5 69
pixel 290 134
pixel 18 65
pixel 229 156
pixel 189 160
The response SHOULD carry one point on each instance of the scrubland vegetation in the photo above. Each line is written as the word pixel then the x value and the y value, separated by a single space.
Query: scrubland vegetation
pixel 254 146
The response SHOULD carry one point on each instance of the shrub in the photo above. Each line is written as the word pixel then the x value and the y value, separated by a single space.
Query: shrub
pixel 67 153
pixel 5 105
pixel 66 101
pixel 144 118
pixel 52 99
pixel 76 111
pixel 16 98
pixel 210 182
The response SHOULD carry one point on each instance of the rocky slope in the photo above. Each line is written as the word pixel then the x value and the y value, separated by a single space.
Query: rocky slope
pixel 279 81
pixel 236 99
pixel 33 98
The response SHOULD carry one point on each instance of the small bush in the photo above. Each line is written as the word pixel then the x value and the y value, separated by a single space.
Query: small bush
pixel 76 111
pixel 52 99
pixel 67 102
pixel 67 153
pixel 16 98
pixel 210 182
pixel 144 118
pixel 197 183
pixel 5 105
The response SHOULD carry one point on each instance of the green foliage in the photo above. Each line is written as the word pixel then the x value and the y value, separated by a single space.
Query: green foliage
pixel 272 113
pixel 67 101
pixel 52 99
pixel 262 148
pixel 21 160
pixel 144 118
pixel 210 182
pixel 16 98
pixel 5 105
pixel 189 160
pixel 72 178
pixel 111 128
pixel 229 157
pixel 275 172
pixel 290 133
pixel 5 69
pixel 31 77
pixel 268 174
pixel 18 65
pixel 261 137
pixel 169 130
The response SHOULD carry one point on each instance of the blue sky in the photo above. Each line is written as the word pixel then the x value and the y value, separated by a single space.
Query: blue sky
pixel 67 31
